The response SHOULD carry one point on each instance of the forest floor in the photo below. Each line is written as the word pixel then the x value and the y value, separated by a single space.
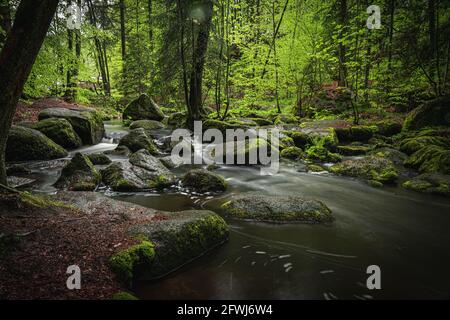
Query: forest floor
pixel 29 112
pixel 39 240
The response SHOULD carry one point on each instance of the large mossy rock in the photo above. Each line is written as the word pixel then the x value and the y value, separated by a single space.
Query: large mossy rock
pixel 204 181
pixel 178 240
pixel 100 159
pixel 430 158
pixel 146 125
pixel 87 123
pixel 60 131
pixel 430 183
pixel 357 133
pixel 141 172
pixel 138 139
pixel 292 153
pixel 279 209
pixel 372 168
pixel 432 113
pixel 143 108
pixel 244 152
pixel 177 120
pixel 26 144
pixel 79 175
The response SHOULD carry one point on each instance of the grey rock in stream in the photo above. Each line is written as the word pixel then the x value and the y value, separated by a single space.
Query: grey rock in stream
pixel 141 172
pixel 279 209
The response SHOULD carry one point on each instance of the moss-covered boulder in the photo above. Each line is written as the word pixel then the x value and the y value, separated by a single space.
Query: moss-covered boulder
pixel 286 119
pixel 279 209
pixel 121 151
pixel 397 157
pixel 79 175
pixel 87 123
pixel 147 125
pixel 371 168
pixel 224 125
pixel 204 181
pixel 413 144
pixel 301 139
pixel 143 108
pixel 432 113
pixel 353 150
pixel 26 144
pixel 138 139
pixel 388 128
pixel 245 152
pixel 60 131
pixel 180 239
pixel 292 153
pixel 286 142
pixel 99 159
pixel 177 120
pixel 125 263
pixel 262 121
pixel 430 183
pixel 357 133
pixel 141 172
pixel 431 158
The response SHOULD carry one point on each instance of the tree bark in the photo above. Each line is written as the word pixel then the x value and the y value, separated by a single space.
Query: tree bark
pixel 123 35
pixel 195 95
pixel 343 20
pixel 5 20
pixel 19 53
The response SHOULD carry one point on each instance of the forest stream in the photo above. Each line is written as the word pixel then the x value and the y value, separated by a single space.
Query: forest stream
pixel 403 233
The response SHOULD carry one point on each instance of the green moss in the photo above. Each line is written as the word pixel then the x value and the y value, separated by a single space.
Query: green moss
pixel 124 296
pixel 388 128
pixel 353 150
pixel 301 140
pixel 42 202
pixel 137 140
pixel 124 263
pixel 369 168
pixel 28 144
pixel 318 151
pixel 181 241
pixel 286 142
pixel 146 125
pixel 79 175
pixel 204 181
pixel 359 133
pixel 315 168
pixel 414 144
pixel 431 113
pixel 60 131
pixel 99 159
pixel 292 153
pixel 286 119
pixel 430 159
pixel 429 183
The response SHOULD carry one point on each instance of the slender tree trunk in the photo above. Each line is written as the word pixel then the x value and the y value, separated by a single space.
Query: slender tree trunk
pixel 196 82
pixel 21 48
pixel 181 21
pixel 122 29
pixel 69 96
pixel 343 20
pixel 150 23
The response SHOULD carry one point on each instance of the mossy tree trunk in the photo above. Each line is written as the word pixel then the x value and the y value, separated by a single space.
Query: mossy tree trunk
pixel 21 48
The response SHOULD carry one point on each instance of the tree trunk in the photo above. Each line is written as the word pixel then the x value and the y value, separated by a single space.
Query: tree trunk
pixel 21 48
pixel 69 95
pixel 123 35
pixel 195 95
pixel 343 20
pixel 5 20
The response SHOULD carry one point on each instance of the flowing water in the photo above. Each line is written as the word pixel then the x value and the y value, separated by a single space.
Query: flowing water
pixel 404 233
